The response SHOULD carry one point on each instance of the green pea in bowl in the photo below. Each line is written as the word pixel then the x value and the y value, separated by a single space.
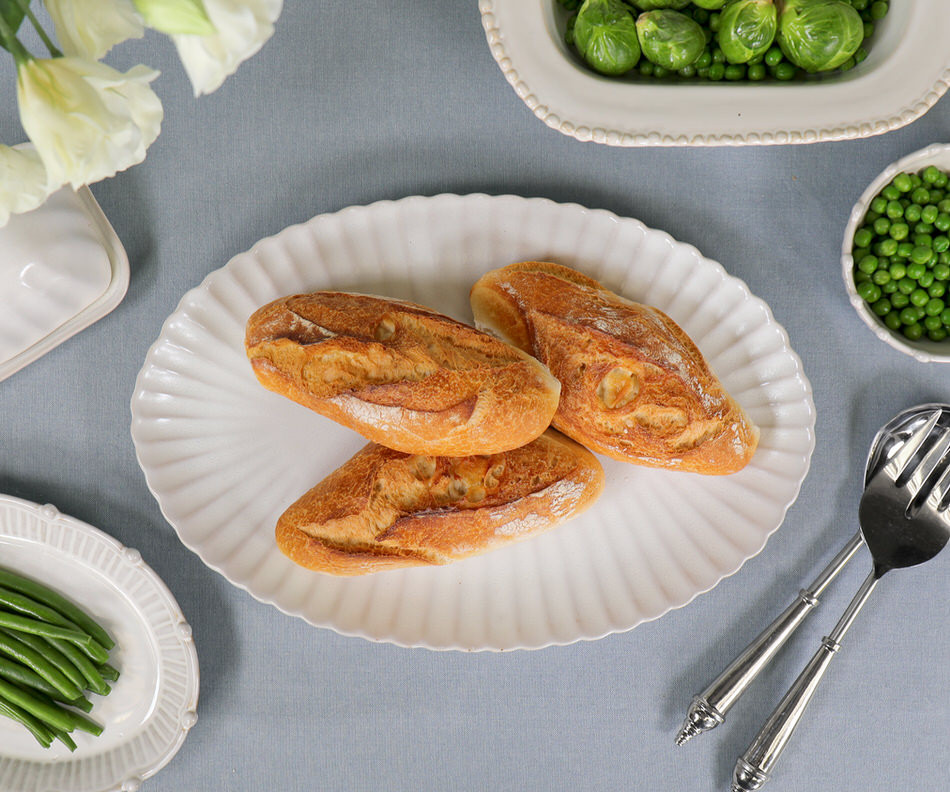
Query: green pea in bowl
pixel 895 257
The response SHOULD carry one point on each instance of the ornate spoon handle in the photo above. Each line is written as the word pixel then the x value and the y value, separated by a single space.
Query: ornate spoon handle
pixel 753 768
pixel 709 708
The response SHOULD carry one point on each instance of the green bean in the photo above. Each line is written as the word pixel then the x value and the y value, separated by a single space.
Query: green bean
pixel 14 601
pixel 60 661
pixel 83 723
pixel 21 624
pixel 38 592
pixel 65 739
pixel 19 673
pixel 36 727
pixel 47 712
pixel 19 651
pixel 108 672
pixel 93 679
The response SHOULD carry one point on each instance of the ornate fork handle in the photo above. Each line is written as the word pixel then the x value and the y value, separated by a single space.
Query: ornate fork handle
pixel 709 708
pixel 755 765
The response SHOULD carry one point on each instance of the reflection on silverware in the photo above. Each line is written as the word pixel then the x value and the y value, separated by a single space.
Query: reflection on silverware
pixel 709 708
pixel 905 522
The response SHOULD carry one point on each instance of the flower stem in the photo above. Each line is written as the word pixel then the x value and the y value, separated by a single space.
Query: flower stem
pixel 25 7
pixel 12 43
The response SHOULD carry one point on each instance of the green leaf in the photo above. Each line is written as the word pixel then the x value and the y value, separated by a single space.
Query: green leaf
pixel 13 17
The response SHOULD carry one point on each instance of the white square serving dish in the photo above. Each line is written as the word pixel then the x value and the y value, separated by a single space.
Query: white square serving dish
pixel 906 72
pixel 62 268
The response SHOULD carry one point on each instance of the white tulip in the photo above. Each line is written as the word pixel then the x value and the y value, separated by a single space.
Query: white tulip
pixel 242 28
pixel 90 28
pixel 87 120
pixel 175 16
pixel 24 184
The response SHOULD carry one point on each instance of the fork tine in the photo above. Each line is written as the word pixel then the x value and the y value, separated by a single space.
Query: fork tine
pixel 939 497
pixel 897 464
pixel 925 474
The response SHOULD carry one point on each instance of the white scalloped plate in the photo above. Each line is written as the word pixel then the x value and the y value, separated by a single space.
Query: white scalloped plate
pixel 152 706
pixel 906 72
pixel 224 457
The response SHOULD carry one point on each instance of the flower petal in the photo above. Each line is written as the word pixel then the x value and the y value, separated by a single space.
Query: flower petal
pixel 90 28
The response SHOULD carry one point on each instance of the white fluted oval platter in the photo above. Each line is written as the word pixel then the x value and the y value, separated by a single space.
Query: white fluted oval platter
pixel 224 457
pixel 152 706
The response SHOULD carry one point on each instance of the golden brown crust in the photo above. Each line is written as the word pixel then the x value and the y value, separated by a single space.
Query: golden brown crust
pixel 400 374
pixel 384 509
pixel 633 384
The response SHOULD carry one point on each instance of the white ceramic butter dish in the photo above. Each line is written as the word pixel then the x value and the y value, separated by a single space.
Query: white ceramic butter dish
pixel 62 267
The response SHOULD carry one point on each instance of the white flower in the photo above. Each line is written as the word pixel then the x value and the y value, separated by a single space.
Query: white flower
pixel 90 28
pixel 87 120
pixel 24 184
pixel 242 28
pixel 175 16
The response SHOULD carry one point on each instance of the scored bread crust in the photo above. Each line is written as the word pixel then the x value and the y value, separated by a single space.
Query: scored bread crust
pixel 634 386
pixel 384 509
pixel 401 374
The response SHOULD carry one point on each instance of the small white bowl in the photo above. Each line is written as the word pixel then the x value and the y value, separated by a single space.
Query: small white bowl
pixel 924 350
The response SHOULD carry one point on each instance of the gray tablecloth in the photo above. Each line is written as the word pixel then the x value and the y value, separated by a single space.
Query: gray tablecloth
pixel 353 102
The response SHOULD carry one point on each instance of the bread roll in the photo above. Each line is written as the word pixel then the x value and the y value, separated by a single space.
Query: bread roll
pixel 633 384
pixel 400 374
pixel 384 509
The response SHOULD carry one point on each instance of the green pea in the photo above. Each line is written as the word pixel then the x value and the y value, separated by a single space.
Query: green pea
pixel 937 335
pixel 879 205
pixel 880 277
pixel 899 231
pixel 908 316
pixel 920 195
pixel 785 71
pixel 912 213
pixel 941 243
pixel 945 317
pixel 928 214
pixel 882 307
pixel 944 258
pixel 926 280
pixel 914 270
pixel 914 331
pixel 922 239
pixel 931 322
pixel 942 222
pixel 894 210
pixel 881 226
pixel 717 71
pixel 891 193
pixel 944 205
pixel 893 320
pixel 714 22
pixel 942 180
pixel 918 297
pixel 899 299
pixel 905 285
pixel 757 72
pixel 936 289
pixel 863 237
pixel 888 288
pixel 869 292
pixel 704 61
pixel 773 57
pixel 934 307
pixel 735 71
pixel 931 174
pixel 920 254
pixel 905 249
pixel 718 55
pixel 646 68
pixel 903 183
pixel 886 247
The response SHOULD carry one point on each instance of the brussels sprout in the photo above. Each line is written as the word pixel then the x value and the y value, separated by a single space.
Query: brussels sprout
pixel 653 5
pixel 605 34
pixel 710 5
pixel 747 29
pixel 819 35
pixel 670 39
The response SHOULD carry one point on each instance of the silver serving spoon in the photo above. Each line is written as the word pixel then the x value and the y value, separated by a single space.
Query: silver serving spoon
pixel 905 521
pixel 709 708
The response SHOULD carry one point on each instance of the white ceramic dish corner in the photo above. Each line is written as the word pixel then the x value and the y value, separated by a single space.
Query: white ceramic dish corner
pixel 907 71
pixel 924 350
pixel 224 456
pixel 152 706
pixel 62 268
